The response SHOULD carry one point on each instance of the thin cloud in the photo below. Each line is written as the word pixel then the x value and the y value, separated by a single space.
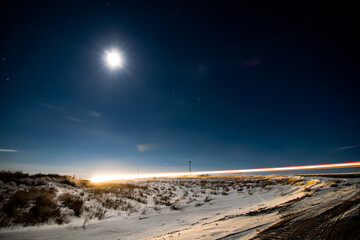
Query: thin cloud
pixel 74 119
pixel 346 147
pixel 147 147
pixel 50 106
pixel 96 114
pixel 9 150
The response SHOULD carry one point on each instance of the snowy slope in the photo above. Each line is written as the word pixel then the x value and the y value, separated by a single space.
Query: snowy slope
pixel 186 208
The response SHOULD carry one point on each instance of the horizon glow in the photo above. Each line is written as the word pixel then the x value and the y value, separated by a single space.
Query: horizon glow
pixel 112 177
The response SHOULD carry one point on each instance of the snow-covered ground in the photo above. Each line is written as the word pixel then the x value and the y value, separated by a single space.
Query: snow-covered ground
pixel 184 208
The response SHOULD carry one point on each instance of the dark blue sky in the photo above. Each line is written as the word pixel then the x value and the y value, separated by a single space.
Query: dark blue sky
pixel 225 85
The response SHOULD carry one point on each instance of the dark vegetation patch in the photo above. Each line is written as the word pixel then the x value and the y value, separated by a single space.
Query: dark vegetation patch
pixel 334 175
pixel 120 196
pixel 29 207
pixel 39 179
pixel 74 203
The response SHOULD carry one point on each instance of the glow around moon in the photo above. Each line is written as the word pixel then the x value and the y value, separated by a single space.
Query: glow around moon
pixel 114 59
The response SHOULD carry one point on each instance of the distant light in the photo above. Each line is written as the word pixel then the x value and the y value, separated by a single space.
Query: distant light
pixel 106 178
pixel 114 59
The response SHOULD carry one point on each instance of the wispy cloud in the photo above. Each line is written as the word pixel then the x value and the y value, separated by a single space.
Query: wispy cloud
pixel 96 114
pixel 50 106
pixel 74 119
pixel 147 147
pixel 9 150
pixel 346 147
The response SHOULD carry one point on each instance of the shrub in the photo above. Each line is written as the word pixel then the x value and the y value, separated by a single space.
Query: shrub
pixel 45 208
pixel 18 200
pixel 61 219
pixel 334 183
pixel 100 213
pixel 30 207
pixel 68 182
pixel 7 176
pixel 293 180
pixel 73 202
pixel 175 206
pixel 312 181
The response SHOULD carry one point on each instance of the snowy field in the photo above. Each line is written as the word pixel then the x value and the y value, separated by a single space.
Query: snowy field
pixel 233 207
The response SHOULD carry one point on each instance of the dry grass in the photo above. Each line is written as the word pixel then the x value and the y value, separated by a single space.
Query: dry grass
pixel 74 203
pixel 82 199
pixel 312 182
pixel 29 207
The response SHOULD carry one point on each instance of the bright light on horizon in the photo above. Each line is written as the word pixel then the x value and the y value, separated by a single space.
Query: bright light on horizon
pixel 114 177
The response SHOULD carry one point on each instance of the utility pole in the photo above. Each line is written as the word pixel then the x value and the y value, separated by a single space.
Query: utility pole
pixel 189 166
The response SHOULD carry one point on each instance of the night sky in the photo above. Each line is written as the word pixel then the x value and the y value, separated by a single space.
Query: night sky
pixel 225 85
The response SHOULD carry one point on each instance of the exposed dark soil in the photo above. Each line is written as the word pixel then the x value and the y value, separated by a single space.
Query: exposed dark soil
pixel 278 208
pixel 332 223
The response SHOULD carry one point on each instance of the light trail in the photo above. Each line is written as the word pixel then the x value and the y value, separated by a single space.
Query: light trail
pixel 106 178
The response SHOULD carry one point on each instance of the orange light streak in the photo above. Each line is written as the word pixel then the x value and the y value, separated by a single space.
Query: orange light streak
pixel 106 178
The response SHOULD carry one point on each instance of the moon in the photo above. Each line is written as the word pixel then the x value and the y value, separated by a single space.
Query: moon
pixel 114 59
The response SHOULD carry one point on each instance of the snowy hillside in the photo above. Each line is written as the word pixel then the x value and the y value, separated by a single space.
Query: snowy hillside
pixel 233 207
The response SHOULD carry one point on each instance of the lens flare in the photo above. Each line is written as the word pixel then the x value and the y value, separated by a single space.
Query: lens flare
pixel 106 178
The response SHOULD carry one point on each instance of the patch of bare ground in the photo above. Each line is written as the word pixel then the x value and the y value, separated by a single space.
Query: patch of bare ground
pixel 278 208
pixel 341 221
pixel 261 211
